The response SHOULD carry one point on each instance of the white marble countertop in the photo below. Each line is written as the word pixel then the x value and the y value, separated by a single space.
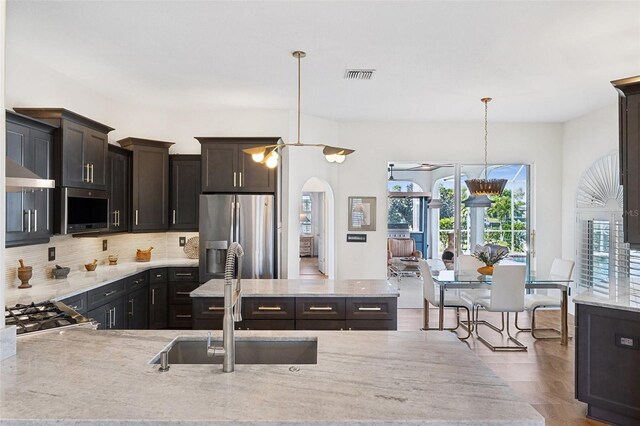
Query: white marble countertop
pixel 88 376
pixel 302 288
pixel 621 294
pixel 79 282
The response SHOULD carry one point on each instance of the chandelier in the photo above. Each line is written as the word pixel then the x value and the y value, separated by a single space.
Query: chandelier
pixel 268 154
pixel 486 186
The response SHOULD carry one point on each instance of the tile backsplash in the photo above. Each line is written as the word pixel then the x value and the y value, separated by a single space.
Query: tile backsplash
pixel 76 252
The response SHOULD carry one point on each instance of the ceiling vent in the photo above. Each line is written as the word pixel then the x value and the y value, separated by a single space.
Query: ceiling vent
pixel 359 74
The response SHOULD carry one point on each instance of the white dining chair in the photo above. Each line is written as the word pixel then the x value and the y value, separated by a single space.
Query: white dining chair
pixel 450 301
pixel 468 265
pixel 507 295
pixel 561 269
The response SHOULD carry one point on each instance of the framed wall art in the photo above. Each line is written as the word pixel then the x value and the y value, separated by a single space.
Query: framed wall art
pixel 362 213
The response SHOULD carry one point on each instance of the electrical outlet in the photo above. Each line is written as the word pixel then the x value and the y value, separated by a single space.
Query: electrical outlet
pixel 104 245
pixel 183 241
pixel 52 254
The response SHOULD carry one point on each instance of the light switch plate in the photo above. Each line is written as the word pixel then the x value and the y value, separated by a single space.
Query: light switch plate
pixel 52 254
pixel 182 241
pixel 104 245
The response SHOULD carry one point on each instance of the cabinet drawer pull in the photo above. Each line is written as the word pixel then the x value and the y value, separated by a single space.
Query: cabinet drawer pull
pixel 159 276
pixel 109 293
pixel 35 220
pixel 136 216
pixel 174 216
pixel 184 274
pixel 321 308
pixel 377 308
pixel 183 316
pixel 234 179
pixel 269 308
pixel 153 296
pixel 216 308
pixel 183 293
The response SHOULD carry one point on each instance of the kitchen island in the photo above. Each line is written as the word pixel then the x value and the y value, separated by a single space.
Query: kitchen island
pixel 295 304
pixel 608 352
pixel 90 377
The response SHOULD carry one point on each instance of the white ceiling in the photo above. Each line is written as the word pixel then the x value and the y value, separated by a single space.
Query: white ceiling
pixel 541 61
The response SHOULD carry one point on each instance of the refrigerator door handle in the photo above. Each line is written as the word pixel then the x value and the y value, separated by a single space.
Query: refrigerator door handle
pixel 238 222
pixel 233 223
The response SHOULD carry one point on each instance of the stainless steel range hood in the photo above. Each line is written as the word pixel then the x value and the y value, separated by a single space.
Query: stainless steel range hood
pixel 19 178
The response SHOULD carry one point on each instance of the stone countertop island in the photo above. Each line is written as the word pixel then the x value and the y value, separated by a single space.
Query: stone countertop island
pixel 82 376
pixel 302 288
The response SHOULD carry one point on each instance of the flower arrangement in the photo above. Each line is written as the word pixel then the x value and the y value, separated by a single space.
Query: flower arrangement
pixel 490 254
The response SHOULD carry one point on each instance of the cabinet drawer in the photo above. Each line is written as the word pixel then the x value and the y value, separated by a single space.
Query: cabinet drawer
pixel 320 325
pixel 306 244
pixel 78 303
pixel 183 274
pixel 158 275
pixel 179 292
pixel 326 308
pixel 269 324
pixel 208 307
pixel 136 282
pixel 268 308
pixel 371 325
pixel 372 308
pixel 106 293
pixel 180 316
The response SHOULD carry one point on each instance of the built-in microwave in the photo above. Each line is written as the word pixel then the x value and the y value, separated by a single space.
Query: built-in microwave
pixel 83 210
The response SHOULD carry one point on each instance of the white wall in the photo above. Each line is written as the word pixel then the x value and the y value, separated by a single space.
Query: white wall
pixel 585 140
pixel 365 173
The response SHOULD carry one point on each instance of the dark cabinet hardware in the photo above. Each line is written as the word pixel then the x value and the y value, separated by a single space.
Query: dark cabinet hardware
pixel 109 293
pixel 269 308
pixel 216 308
pixel 320 308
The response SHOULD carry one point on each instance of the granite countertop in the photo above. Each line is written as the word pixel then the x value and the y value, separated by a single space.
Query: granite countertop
pixel 621 294
pixel 79 282
pixel 302 288
pixel 89 376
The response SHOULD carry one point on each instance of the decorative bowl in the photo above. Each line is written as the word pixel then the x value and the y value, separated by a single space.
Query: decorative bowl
pixel 143 255
pixel 60 272
pixel 113 259
pixel 92 266
pixel 486 270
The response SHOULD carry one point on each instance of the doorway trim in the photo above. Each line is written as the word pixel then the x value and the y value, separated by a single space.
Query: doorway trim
pixel 316 184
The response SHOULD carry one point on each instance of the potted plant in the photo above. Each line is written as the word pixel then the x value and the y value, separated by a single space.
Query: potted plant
pixel 490 254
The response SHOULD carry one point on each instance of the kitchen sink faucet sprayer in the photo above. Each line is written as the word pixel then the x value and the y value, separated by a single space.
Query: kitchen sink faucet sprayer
pixel 232 309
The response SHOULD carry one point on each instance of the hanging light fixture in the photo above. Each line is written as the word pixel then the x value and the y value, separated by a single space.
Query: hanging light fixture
pixel 486 186
pixel 268 154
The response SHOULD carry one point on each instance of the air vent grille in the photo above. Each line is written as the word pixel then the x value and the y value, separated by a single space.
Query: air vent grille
pixel 359 74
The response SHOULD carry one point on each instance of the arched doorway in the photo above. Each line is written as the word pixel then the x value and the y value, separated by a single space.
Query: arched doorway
pixel 316 230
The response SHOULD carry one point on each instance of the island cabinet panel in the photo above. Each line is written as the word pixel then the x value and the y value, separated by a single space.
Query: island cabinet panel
pixel 371 308
pixel 320 308
pixel 184 195
pixel 607 360
pixel 315 324
pixel 279 324
pixel 29 213
pixel 268 308
pixel 226 168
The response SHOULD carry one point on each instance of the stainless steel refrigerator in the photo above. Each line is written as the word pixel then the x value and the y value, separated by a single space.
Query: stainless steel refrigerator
pixel 247 219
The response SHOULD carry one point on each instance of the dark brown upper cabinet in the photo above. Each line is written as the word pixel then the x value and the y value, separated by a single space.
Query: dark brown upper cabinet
pixel 629 124
pixel 119 179
pixel 149 184
pixel 184 193
pixel 80 147
pixel 225 168
pixel 29 213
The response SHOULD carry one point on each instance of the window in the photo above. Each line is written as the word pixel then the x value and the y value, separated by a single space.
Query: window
pixel 305 214
pixel 404 213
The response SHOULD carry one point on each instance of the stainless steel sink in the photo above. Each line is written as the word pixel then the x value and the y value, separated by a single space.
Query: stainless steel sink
pixel 250 350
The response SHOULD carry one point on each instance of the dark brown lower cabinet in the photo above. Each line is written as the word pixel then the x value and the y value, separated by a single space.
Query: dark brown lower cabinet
pixel 180 316
pixel 110 316
pixel 607 361
pixel 158 305
pixel 138 309
pixel 300 313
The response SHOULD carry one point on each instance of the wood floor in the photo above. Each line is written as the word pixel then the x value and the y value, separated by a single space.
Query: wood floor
pixel 543 376
pixel 309 269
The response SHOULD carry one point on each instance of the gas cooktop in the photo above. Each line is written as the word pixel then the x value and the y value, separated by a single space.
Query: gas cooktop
pixel 44 316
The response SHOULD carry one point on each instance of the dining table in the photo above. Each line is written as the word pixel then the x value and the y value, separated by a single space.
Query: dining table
pixel 465 280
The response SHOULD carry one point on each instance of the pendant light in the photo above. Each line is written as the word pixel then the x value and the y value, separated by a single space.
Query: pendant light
pixel 486 186
pixel 268 154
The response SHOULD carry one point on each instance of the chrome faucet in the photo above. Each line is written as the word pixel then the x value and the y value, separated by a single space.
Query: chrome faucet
pixel 232 309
